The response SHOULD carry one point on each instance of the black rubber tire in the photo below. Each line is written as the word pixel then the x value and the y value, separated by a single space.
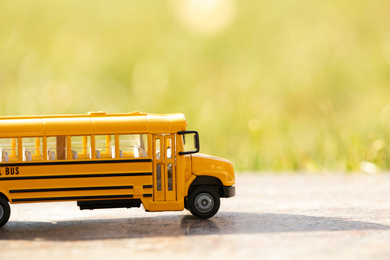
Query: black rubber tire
pixel 5 211
pixel 206 197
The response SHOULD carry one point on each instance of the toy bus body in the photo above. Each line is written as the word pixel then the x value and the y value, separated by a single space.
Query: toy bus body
pixel 109 161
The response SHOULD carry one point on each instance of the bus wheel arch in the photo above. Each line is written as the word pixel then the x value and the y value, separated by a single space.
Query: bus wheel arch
pixel 207 181
pixel 5 210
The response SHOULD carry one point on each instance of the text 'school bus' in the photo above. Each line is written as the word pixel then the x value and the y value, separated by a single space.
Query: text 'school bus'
pixel 110 161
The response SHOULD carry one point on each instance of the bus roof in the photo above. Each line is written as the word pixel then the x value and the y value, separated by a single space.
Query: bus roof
pixel 91 123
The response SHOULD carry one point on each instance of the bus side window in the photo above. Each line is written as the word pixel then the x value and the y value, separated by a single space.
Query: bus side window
pixel 105 146
pixel 8 149
pixel 32 149
pixel 56 148
pixel 144 145
pixel 134 145
pixel 81 147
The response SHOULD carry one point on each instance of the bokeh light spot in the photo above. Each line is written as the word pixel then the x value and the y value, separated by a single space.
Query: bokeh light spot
pixel 205 16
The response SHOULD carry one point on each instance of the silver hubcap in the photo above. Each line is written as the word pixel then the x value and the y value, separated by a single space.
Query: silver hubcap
pixel 204 202
pixel 1 212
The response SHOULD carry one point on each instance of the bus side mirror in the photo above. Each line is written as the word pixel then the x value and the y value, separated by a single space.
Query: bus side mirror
pixel 188 146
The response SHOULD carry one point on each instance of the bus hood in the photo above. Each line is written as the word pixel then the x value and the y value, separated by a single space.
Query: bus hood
pixel 206 165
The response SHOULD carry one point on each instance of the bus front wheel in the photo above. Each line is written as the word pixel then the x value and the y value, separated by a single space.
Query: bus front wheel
pixel 5 211
pixel 203 202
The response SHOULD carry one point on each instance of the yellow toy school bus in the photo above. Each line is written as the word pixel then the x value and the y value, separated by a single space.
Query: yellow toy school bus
pixel 110 161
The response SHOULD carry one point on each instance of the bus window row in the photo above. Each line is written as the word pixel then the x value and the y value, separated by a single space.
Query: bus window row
pixel 73 147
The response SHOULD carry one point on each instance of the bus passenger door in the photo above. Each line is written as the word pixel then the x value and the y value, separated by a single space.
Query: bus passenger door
pixel 164 168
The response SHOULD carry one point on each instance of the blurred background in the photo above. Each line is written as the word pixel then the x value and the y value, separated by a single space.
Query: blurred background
pixel 270 85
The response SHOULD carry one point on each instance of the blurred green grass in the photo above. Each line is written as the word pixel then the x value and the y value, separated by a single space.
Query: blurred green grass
pixel 291 85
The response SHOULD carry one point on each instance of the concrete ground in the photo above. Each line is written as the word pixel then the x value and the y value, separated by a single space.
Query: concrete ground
pixel 282 216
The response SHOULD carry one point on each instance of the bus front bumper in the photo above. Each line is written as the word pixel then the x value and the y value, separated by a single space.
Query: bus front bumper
pixel 228 191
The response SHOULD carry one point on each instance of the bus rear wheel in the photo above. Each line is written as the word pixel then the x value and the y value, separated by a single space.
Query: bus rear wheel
pixel 203 202
pixel 5 211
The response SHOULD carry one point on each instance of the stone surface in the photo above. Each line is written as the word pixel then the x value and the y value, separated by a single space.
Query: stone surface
pixel 282 216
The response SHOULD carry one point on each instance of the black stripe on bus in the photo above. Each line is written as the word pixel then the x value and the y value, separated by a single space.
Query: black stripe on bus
pixel 75 176
pixel 147 186
pixel 74 198
pixel 73 189
pixel 148 195
pixel 74 162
